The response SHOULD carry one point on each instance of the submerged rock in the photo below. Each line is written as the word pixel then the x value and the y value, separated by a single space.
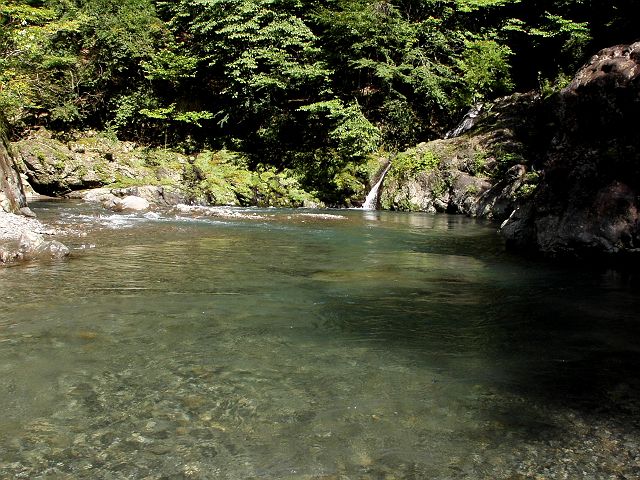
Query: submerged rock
pixel 34 245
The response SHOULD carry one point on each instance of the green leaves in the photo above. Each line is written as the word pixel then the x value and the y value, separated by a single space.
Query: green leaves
pixel 315 85
pixel 485 67
pixel 170 65
pixel 351 133
pixel 470 6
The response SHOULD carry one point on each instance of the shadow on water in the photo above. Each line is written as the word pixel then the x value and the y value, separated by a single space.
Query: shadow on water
pixel 568 338
pixel 561 336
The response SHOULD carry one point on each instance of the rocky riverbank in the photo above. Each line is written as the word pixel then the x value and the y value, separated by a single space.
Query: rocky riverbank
pixel 21 236
pixel 482 173
pixel 65 165
pixel 561 172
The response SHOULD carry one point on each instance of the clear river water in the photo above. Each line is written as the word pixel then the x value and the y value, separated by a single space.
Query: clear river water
pixel 298 344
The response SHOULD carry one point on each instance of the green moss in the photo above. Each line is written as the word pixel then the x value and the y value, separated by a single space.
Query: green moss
pixel 40 156
pixel 122 181
pixel 472 189
pixel 162 158
pixel 401 205
pixel 479 163
pixel 371 166
pixel 440 186
pixel 98 143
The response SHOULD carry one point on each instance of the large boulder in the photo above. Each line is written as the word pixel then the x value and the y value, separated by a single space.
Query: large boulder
pixel 132 202
pixel 588 201
pixel 57 167
pixel 54 169
pixel 24 238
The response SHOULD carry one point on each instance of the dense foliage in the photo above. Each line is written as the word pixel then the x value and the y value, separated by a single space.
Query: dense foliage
pixel 312 86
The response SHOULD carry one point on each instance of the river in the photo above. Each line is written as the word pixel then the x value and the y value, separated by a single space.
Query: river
pixel 339 344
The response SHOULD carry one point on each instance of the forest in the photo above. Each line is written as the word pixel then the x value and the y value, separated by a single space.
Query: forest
pixel 308 87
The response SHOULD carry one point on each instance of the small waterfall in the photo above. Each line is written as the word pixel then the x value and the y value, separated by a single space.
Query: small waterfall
pixel 467 122
pixel 372 198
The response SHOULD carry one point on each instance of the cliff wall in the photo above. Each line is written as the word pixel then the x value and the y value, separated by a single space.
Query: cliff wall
pixel 12 197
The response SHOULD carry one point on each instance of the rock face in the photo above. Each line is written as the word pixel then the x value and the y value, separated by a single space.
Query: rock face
pixel 562 172
pixel 483 172
pixel 588 201
pixel 12 198
pixel 21 237
pixel 55 167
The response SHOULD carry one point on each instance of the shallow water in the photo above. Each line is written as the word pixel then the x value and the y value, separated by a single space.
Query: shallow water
pixel 301 344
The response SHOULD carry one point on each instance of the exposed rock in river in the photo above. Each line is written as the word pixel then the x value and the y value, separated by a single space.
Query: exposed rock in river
pixel 21 236
pixel 588 201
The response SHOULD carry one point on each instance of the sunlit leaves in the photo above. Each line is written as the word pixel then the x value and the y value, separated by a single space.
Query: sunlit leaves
pixel 468 6
pixel 352 134
pixel 170 65
pixel 486 68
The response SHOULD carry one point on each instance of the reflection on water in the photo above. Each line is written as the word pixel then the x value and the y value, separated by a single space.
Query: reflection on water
pixel 283 345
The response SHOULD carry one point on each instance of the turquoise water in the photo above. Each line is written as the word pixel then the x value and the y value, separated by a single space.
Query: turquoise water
pixel 312 345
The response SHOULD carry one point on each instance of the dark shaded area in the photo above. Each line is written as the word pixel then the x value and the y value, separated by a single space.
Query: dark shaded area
pixel 556 336
pixel 587 202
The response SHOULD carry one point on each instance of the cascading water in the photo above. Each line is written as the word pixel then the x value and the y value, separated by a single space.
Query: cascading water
pixel 467 122
pixel 372 198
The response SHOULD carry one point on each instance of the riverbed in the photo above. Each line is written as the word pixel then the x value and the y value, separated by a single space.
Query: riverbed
pixel 302 344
